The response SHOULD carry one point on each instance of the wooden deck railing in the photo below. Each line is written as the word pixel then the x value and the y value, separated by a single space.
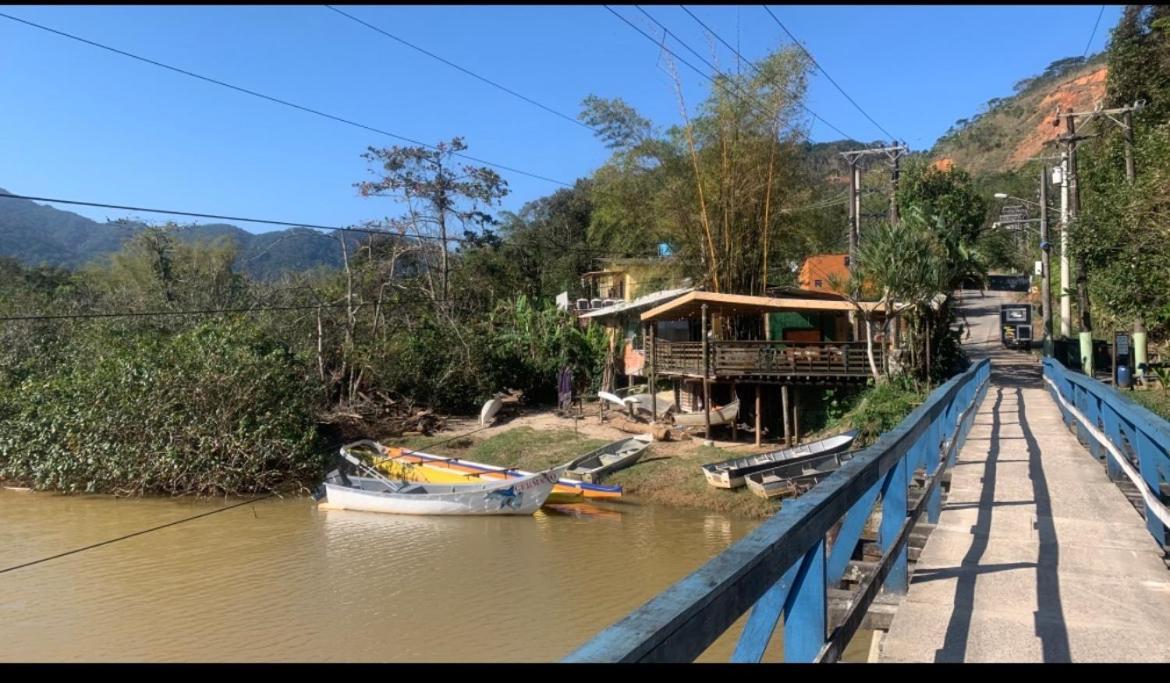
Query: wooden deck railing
pixel 747 359
pixel 787 566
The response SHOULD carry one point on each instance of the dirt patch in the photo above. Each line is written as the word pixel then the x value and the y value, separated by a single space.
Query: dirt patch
pixel 1078 94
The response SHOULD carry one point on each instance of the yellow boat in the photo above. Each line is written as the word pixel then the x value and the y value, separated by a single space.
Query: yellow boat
pixel 418 466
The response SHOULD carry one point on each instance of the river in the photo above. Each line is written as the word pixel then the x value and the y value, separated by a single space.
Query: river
pixel 281 580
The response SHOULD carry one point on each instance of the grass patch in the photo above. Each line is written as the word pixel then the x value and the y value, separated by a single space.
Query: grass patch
pixel 676 481
pixel 1157 402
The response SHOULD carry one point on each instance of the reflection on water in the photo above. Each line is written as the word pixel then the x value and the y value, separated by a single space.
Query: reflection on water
pixel 284 581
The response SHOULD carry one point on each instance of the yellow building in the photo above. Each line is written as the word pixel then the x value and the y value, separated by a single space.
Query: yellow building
pixel 625 279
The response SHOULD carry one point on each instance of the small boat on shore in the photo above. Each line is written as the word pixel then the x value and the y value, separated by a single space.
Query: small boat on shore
pixel 426 467
pixel 730 474
pixel 720 415
pixel 488 414
pixel 795 477
pixel 643 402
pixel 376 493
pixel 595 466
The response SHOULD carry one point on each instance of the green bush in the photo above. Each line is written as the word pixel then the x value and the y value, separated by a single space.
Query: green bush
pixel 881 408
pixel 218 409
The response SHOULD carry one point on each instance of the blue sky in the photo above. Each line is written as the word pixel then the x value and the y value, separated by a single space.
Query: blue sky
pixel 78 122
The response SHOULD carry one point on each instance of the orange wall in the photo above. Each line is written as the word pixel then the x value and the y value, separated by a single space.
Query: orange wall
pixel 820 268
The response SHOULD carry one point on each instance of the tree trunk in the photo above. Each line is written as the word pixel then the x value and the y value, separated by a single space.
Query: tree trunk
pixel 877 378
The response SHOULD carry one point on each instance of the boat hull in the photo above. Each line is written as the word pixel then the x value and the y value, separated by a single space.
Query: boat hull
pixel 719 416
pixel 595 466
pixel 734 473
pixel 521 497
pixel 795 477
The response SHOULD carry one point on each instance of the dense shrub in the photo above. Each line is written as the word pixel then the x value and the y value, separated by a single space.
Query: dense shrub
pixel 216 409
pixel 881 408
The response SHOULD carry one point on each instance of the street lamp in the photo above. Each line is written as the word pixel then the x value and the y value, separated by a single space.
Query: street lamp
pixel 1045 248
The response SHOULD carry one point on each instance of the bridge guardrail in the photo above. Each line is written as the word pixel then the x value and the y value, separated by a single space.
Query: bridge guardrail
pixel 785 566
pixel 1133 442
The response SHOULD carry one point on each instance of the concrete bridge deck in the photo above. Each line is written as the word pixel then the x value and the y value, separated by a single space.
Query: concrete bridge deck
pixel 1037 556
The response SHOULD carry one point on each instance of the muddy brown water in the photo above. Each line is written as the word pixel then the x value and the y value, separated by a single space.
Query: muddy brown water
pixel 282 580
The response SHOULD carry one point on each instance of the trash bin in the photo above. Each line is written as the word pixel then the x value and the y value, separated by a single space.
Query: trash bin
pixel 1123 377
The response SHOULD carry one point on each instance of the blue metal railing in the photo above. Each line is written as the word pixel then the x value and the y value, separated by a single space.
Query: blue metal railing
pixel 1133 442
pixel 784 567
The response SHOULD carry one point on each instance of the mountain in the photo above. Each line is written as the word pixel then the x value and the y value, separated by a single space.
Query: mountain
pixel 38 234
pixel 1010 130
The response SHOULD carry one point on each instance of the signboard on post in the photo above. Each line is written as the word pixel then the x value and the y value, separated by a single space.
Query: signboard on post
pixel 1039 267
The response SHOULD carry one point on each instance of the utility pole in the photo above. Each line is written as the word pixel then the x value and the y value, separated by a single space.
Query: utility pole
pixel 854 212
pixel 1046 271
pixel 1065 300
pixel 1070 139
pixel 895 155
pixel 1074 206
pixel 854 157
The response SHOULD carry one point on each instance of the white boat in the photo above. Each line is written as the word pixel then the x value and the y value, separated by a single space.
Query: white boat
pixel 376 493
pixel 593 467
pixel 488 414
pixel 730 474
pixel 642 403
pixel 720 415
pixel 611 398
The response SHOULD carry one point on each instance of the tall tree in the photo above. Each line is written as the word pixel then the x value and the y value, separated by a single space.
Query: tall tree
pixel 435 190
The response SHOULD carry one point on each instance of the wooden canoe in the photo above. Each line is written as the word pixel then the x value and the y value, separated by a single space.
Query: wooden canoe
pixel 720 415
pixel 729 474
pixel 795 477
pixel 595 466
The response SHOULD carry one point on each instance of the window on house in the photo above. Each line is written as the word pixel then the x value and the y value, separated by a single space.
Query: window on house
pixel 816 283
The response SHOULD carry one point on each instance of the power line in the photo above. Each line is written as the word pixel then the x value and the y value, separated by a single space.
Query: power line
pixel 199 312
pixel 822 205
pixel 265 221
pixel 757 69
pixel 712 80
pixel 140 533
pixel 1094 33
pixel 150 314
pixel 277 100
pixel 469 72
pixel 826 73
pixel 726 44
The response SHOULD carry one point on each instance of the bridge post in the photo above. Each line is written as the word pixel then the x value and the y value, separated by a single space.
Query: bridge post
pixel 1080 399
pixel 1148 454
pixel 1063 387
pixel 850 533
pixel 1113 431
pixel 761 623
pixel 934 467
pixel 1093 413
pixel 893 517
pixel 806 609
